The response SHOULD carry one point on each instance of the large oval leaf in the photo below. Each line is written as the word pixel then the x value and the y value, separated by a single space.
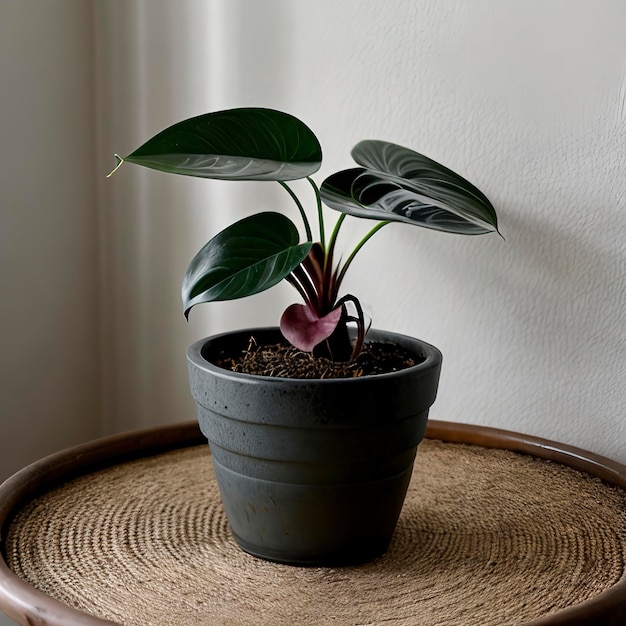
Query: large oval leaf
pixel 398 184
pixel 365 194
pixel 429 179
pixel 247 257
pixel 237 144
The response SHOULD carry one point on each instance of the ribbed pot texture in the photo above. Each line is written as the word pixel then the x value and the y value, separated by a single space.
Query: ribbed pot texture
pixel 312 472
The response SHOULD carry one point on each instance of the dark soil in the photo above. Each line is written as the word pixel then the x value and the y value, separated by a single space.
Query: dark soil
pixel 285 361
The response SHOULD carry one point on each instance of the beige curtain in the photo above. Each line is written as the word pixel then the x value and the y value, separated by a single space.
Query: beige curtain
pixel 159 62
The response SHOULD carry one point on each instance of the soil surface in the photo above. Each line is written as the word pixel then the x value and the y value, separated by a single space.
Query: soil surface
pixel 285 361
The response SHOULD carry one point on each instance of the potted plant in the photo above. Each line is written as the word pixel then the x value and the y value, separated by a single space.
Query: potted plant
pixel 313 426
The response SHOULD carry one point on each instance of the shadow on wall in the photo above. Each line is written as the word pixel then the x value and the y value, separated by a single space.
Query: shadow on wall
pixel 532 328
pixel 565 287
pixel 566 302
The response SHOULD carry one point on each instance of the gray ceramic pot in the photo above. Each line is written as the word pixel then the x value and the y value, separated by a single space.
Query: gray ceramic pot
pixel 312 472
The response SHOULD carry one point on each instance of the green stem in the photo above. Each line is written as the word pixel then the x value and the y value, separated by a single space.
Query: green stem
pixel 330 285
pixel 361 243
pixel 307 226
pixel 320 216
pixel 333 235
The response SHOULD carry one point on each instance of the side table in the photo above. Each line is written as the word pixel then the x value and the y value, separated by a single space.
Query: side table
pixel 498 528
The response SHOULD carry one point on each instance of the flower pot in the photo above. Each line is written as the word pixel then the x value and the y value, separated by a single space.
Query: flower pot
pixel 312 472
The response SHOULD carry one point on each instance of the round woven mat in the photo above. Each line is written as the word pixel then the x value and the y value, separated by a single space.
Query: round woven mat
pixel 485 537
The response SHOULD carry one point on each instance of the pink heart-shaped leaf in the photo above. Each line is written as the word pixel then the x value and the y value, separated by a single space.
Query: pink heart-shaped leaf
pixel 303 329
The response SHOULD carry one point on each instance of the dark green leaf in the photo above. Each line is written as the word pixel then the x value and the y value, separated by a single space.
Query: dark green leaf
pixel 398 184
pixel 362 193
pixel 238 144
pixel 247 257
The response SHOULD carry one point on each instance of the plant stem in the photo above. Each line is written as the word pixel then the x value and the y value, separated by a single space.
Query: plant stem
pixel 331 286
pixel 333 235
pixel 320 216
pixel 361 243
pixel 307 226
pixel 298 279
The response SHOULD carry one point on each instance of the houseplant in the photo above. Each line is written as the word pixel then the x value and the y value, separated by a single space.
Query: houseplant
pixel 312 469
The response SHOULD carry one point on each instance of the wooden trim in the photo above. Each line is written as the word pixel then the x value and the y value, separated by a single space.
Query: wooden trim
pixel 25 604
pixel 588 462
pixel 28 606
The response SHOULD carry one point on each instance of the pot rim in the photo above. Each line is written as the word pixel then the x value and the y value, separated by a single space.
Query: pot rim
pixel 431 354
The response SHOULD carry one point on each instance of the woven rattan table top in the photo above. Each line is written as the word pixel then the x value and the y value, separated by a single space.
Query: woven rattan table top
pixel 486 537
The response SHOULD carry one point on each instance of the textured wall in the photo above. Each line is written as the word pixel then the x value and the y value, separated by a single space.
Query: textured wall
pixel 525 99
pixel 528 100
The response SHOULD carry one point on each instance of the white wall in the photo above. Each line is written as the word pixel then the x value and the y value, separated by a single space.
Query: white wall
pixel 526 99
pixel 48 243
